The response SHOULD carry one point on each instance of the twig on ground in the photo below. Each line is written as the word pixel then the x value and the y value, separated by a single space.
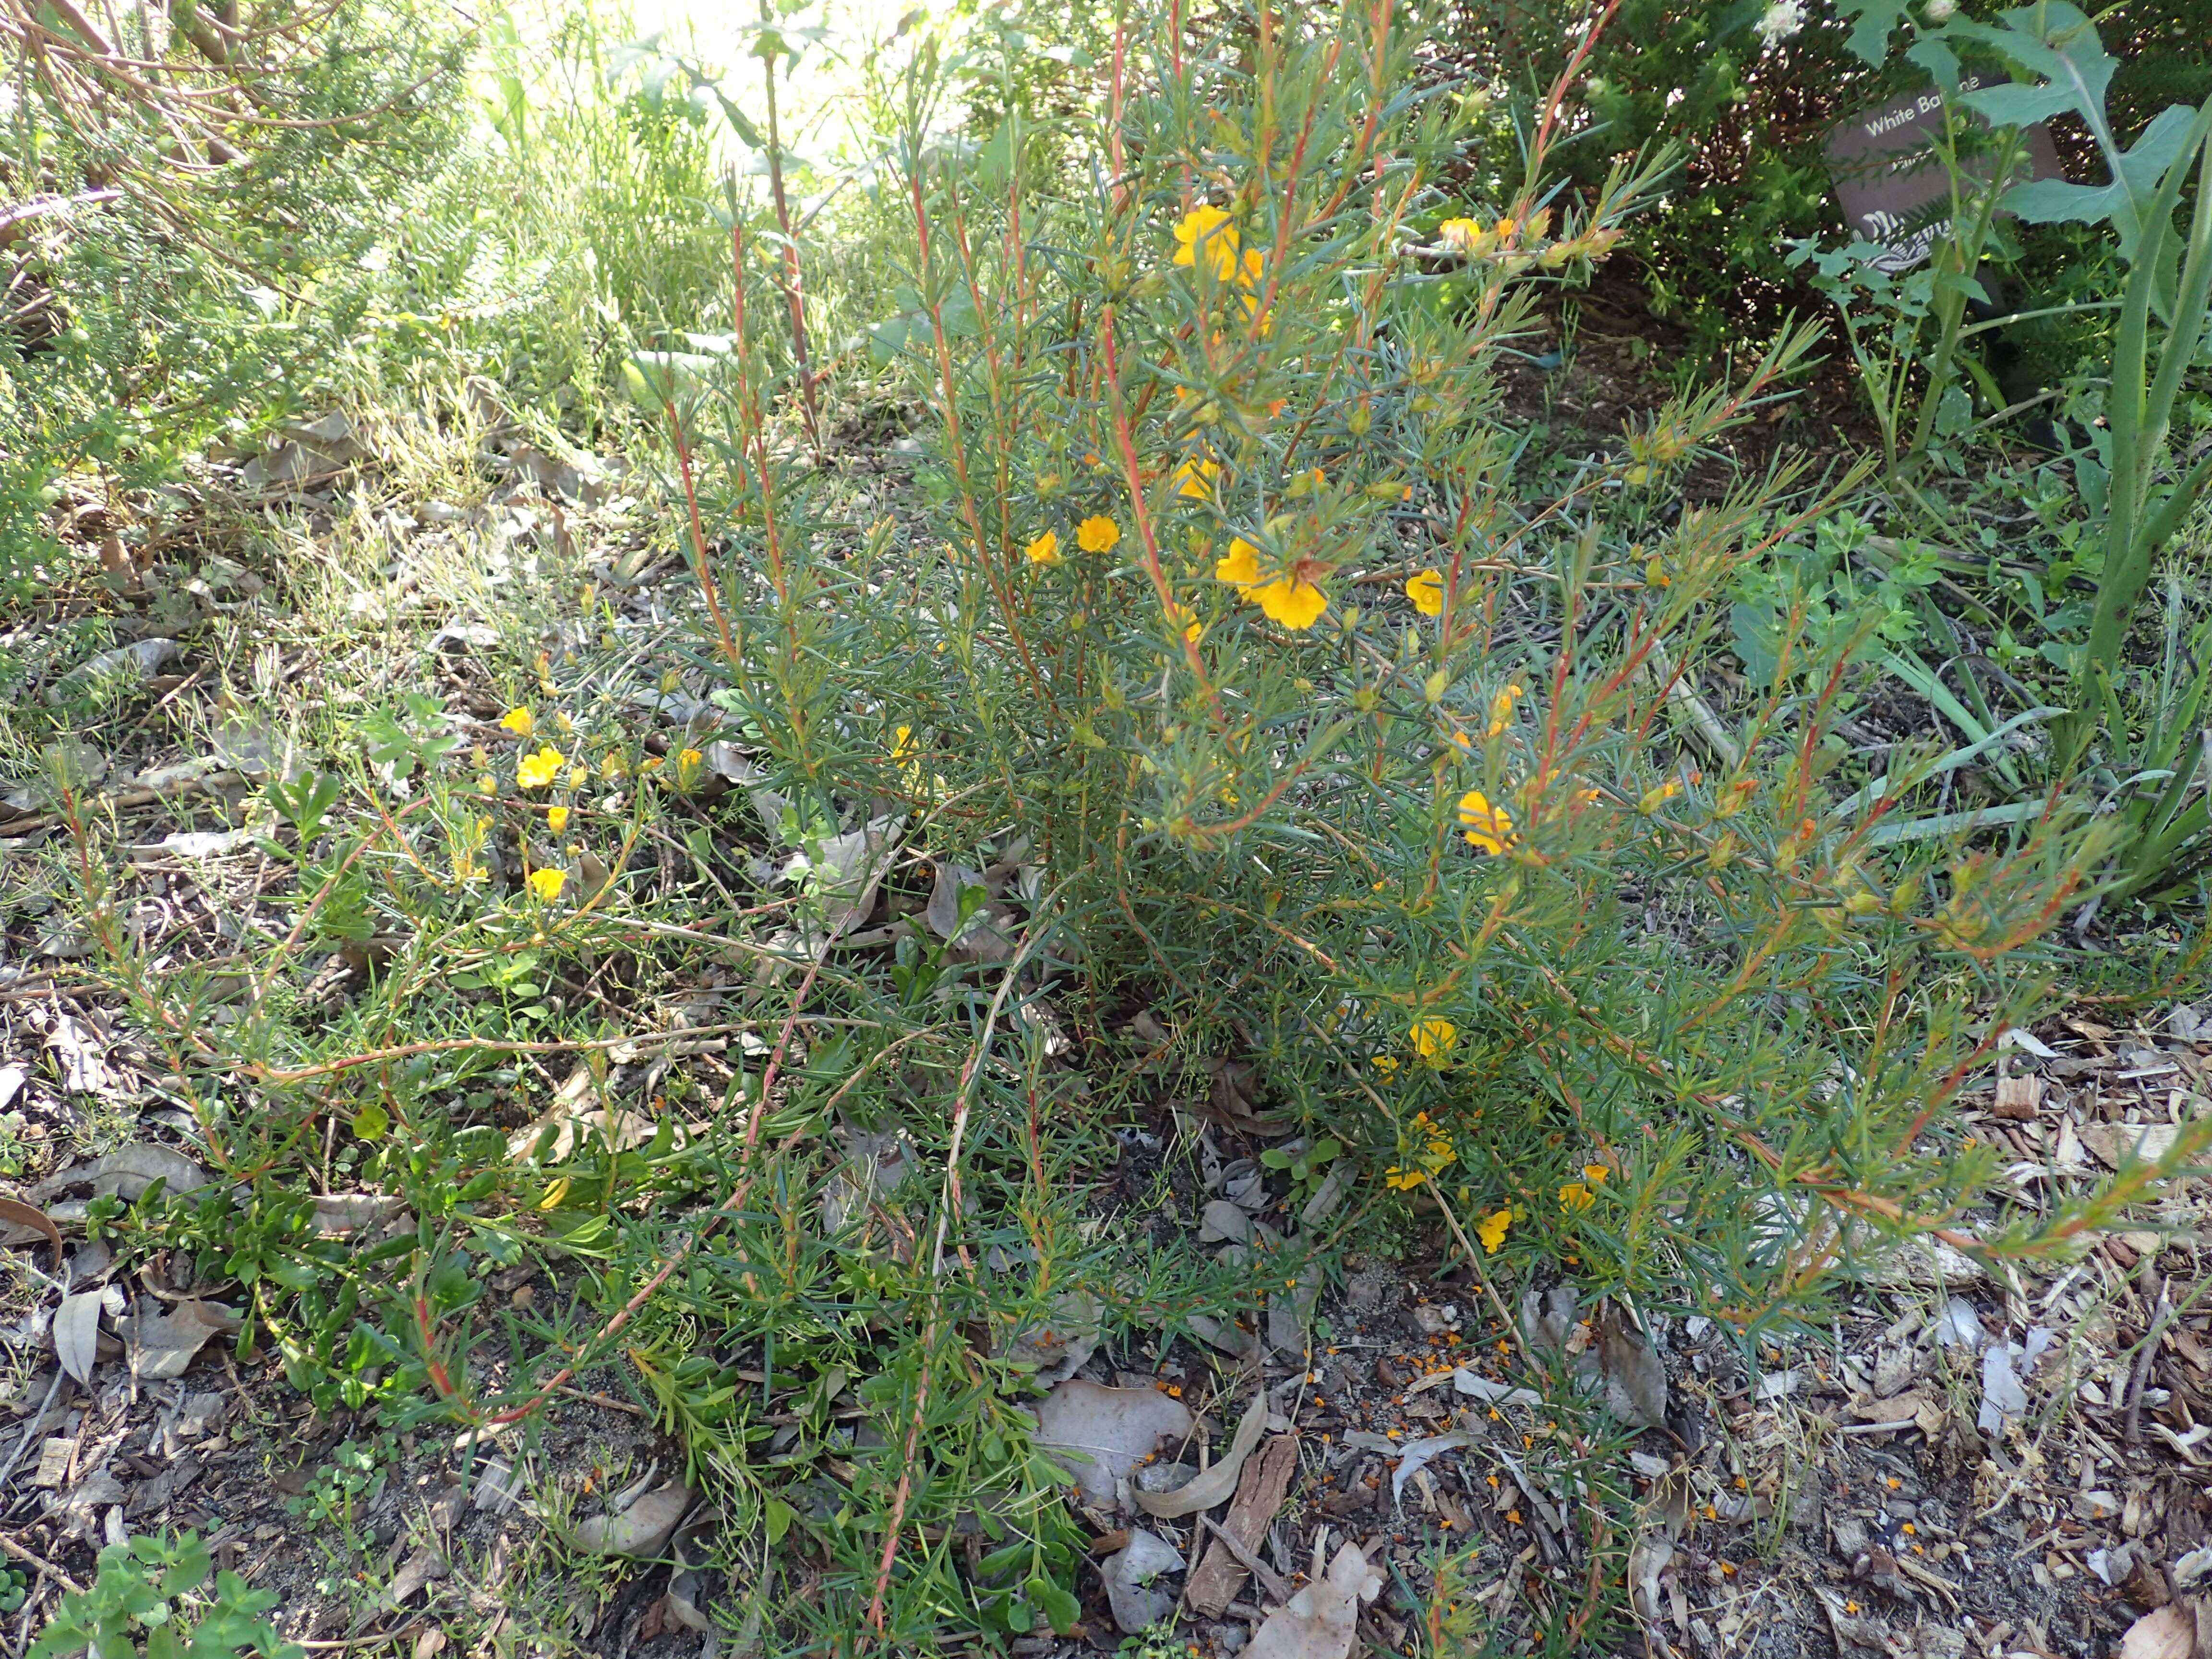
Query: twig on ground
pixel 32 1559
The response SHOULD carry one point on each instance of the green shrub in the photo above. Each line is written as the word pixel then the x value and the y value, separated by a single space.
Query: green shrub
pixel 1369 767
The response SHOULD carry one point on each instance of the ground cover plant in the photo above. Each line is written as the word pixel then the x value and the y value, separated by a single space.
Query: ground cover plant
pixel 962 883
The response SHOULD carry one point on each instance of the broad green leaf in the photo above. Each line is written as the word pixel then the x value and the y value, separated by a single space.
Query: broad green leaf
pixel 2126 198
pixel 1873 20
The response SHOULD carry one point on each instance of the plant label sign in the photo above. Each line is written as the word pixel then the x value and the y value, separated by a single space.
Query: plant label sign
pixel 1890 180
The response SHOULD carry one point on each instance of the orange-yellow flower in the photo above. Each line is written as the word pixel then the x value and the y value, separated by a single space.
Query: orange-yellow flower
pixel 1488 828
pixel 1098 534
pixel 547 884
pixel 1426 591
pixel 1501 707
pixel 1195 479
pixel 1045 549
pixel 1434 1040
pixel 1240 565
pixel 520 722
pixel 1491 1231
pixel 1207 227
pixel 1293 599
pixel 536 771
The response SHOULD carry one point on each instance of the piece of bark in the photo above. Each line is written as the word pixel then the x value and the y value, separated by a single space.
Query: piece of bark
pixel 1267 1482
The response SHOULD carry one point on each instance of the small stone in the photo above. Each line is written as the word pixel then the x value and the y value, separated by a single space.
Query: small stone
pixel 1164 1477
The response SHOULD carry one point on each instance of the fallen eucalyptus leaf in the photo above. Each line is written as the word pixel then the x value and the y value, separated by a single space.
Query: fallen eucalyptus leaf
pixel 20 1222
pixel 1635 1380
pixel 642 1530
pixel 1647 1559
pixel 1413 1455
pixel 418 1570
pixel 1218 1483
pixel 76 1333
pixel 139 661
pixel 1099 1434
pixel 876 1161
pixel 337 1215
pixel 1322 1621
pixel 1222 1221
pixel 1128 1573
pixel 80 1049
pixel 1465 1381
pixel 129 1173
pixel 1069 1336
pixel 2166 1633
pixel 162 1344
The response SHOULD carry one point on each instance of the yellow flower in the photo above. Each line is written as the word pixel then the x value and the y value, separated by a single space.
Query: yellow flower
pixel 547 884
pixel 1433 1039
pixel 1487 827
pixel 1404 1180
pixel 1386 1066
pixel 1045 549
pixel 1460 234
pixel 1492 1232
pixel 520 722
pixel 1291 600
pixel 1596 1173
pixel 1207 227
pixel 557 818
pixel 1574 1196
pixel 1654 799
pixel 1501 707
pixel 1240 565
pixel 1505 229
pixel 1183 617
pixel 1252 267
pixel 688 763
pixel 1195 479
pixel 1098 534
pixel 537 770
pixel 1426 591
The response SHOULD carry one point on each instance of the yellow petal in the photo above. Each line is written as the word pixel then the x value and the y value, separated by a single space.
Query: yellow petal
pixel 536 771
pixel 1492 1232
pixel 1426 591
pixel 1296 604
pixel 1240 565
pixel 520 722
pixel 1096 534
pixel 1489 828
pixel 547 884
pixel 1045 549
pixel 557 818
